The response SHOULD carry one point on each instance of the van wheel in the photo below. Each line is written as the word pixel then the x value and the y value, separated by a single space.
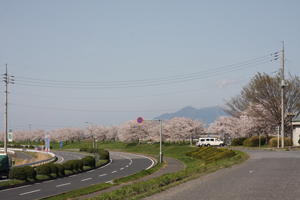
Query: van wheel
pixel 208 145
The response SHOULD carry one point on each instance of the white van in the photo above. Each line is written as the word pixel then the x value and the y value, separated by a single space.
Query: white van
pixel 209 142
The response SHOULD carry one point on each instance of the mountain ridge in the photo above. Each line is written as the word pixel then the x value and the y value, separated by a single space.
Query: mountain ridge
pixel 208 114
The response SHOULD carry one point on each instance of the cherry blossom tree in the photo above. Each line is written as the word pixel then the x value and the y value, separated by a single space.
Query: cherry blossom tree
pixel 132 131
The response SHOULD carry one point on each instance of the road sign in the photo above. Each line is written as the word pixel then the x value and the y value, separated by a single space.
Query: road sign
pixel 39 148
pixel 61 145
pixel 47 143
pixel 140 120
pixel 10 137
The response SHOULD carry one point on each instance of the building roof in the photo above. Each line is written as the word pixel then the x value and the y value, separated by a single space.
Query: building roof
pixel 297 118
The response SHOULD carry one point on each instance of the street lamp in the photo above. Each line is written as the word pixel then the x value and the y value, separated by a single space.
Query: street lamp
pixel 290 116
pixel 92 132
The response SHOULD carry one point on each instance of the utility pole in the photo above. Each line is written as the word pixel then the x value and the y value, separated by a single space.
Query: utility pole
pixel 282 97
pixel 6 80
pixel 5 112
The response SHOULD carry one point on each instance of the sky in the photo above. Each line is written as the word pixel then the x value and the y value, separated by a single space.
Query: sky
pixel 108 62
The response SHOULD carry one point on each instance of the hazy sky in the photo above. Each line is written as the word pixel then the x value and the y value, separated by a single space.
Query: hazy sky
pixel 107 62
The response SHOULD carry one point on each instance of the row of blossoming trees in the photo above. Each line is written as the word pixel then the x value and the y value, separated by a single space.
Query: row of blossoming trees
pixel 172 130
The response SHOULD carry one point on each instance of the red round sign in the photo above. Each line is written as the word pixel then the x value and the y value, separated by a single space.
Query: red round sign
pixel 140 120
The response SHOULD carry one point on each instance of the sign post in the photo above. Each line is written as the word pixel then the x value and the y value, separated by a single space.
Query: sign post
pixel 141 120
pixel 47 143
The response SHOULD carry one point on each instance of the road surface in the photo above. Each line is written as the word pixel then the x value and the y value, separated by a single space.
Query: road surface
pixel 123 164
pixel 265 175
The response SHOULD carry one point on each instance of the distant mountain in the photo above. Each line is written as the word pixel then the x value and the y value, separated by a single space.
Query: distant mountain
pixel 209 115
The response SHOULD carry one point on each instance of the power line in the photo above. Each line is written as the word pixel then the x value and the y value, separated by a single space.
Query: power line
pixel 146 82
pixel 152 69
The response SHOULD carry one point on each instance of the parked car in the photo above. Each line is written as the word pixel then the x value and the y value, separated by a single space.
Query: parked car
pixel 209 142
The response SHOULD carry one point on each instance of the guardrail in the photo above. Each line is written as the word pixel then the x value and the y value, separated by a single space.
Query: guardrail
pixel 12 150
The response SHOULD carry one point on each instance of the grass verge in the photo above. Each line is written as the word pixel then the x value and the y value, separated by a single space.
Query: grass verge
pixel 137 190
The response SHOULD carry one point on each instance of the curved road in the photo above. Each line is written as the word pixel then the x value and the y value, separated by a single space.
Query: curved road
pixel 123 164
pixel 265 175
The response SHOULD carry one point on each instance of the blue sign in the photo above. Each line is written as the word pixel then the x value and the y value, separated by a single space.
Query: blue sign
pixel 47 143
pixel 208 136
pixel 61 145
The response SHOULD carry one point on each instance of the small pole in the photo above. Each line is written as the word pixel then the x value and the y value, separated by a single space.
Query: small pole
pixel 278 130
pixel 160 153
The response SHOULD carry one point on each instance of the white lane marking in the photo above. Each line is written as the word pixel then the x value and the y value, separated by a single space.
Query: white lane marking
pixel 63 184
pixel 90 171
pixel 102 175
pixel 122 168
pixel 86 179
pixel 114 171
pixel 126 165
pixel 62 159
pixel 15 188
pixel 30 192
pixel 144 157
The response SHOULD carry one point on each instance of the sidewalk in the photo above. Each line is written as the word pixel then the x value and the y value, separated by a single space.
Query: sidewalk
pixel 171 165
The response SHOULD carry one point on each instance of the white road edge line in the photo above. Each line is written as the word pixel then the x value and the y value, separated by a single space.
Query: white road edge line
pixel 30 192
pixel 15 188
pixel 90 171
pixel 63 184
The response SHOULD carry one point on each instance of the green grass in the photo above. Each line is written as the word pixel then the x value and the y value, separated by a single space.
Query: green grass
pixel 195 168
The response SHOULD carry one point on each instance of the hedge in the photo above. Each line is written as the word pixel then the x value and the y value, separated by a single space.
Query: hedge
pixel 68 166
pixel 273 142
pixel 53 168
pixel 18 173
pixel 88 161
pixel 254 141
pixel 60 169
pixel 237 141
pixel 30 171
pixel 79 164
pixel 43 170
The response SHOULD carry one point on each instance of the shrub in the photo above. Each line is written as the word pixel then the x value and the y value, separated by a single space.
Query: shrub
pixel 68 166
pixel 53 168
pixel 88 161
pixel 90 150
pixel 30 171
pixel 79 164
pixel 43 170
pixel 60 169
pixel 18 173
pixel 254 141
pixel 74 164
pixel 273 142
pixel 83 149
pixel 237 141
pixel 103 154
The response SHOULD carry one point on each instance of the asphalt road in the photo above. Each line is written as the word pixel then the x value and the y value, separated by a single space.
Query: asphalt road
pixel 265 175
pixel 123 164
